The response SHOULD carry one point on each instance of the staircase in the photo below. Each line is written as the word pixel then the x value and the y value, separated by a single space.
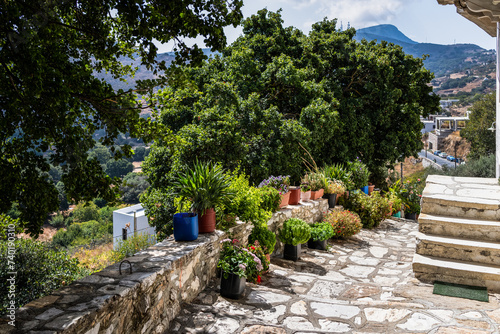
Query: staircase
pixel 459 232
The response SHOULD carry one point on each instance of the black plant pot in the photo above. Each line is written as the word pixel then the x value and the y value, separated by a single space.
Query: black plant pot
pixel 233 286
pixel 411 216
pixel 332 200
pixel 321 245
pixel 291 252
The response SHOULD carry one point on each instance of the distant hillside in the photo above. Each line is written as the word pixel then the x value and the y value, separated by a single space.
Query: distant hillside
pixel 443 59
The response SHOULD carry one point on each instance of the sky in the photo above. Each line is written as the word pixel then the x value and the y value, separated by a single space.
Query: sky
pixel 423 21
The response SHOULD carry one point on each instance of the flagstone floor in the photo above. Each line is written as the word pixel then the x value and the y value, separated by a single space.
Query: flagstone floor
pixel 361 285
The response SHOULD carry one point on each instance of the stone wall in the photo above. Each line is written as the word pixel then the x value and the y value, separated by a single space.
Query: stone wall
pixel 148 298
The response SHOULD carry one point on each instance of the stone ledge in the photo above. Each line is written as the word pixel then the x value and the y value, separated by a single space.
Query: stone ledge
pixel 146 300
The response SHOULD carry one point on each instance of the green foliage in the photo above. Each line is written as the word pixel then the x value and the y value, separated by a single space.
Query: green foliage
pixel 246 201
pixel 322 231
pixel 338 172
pixel 9 226
pixel 52 52
pixel 254 271
pixel 359 173
pixel 295 231
pixel 280 183
pixel 84 212
pixel 266 238
pixel 134 184
pixel 411 193
pixel 101 153
pixel 118 168
pixel 132 245
pixel 344 222
pixel 63 198
pixel 82 233
pixel 40 270
pixel 100 202
pixel 316 180
pixel 57 220
pixel 271 199
pixel 140 153
pixel 476 130
pixel 395 196
pixel 205 185
pixel 371 209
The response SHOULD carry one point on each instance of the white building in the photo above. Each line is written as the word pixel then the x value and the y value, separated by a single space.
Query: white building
pixel 133 215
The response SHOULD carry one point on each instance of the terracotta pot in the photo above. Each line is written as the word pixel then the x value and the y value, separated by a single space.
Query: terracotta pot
pixel 284 199
pixel 206 222
pixel 305 196
pixel 317 194
pixel 370 188
pixel 294 196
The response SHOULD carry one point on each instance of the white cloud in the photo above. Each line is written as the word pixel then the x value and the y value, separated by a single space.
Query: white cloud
pixel 359 13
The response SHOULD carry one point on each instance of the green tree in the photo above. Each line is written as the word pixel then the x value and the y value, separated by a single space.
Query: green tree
pixel 118 168
pixel 482 140
pixel 101 153
pixel 134 184
pixel 52 102
pixel 85 212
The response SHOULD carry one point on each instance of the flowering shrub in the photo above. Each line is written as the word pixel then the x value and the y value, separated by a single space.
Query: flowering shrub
pixel 253 272
pixel 237 260
pixel 280 183
pixel 265 238
pixel 411 194
pixel 371 209
pixel 345 223
pixel 335 187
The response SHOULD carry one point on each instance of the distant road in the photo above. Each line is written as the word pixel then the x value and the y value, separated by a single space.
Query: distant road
pixel 440 161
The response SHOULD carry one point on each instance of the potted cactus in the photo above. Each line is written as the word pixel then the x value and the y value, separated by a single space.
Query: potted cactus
pixel 294 232
pixel 320 233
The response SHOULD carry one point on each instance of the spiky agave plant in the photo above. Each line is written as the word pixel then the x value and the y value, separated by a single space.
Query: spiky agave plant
pixel 205 185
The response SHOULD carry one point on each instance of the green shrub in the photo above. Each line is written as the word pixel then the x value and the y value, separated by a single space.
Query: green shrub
pixel 322 231
pixel 339 172
pixel 359 173
pixel 85 212
pixel 57 221
pixel 345 223
pixel 271 199
pixel 133 245
pixel 411 193
pixel 371 209
pixel 295 231
pixel 82 233
pixel 266 238
pixel 40 270
pixel 9 225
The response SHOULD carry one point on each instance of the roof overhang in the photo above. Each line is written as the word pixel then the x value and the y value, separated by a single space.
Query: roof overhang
pixel 484 13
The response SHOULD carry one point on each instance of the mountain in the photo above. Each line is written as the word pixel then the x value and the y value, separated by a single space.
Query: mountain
pixel 442 59
pixel 386 32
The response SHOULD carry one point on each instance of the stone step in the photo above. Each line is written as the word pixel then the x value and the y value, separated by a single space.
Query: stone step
pixel 465 228
pixel 474 198
pixel 430 269
pixel 480 252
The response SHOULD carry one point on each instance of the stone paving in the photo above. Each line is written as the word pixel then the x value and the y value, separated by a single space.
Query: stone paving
pixel 361 285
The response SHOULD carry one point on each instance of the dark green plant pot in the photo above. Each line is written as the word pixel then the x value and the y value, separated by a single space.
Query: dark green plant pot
pixel 291 252
pixel 332 200
pixel 321 245
pixel 412 216
pixel 233 286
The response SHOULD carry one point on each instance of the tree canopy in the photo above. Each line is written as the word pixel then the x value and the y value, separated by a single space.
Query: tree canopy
pixel 276 89
pixel 482 140
pixel 51 102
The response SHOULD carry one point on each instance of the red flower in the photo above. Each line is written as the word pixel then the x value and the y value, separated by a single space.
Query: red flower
pixel 235 241
pixel 258 279
pixel 252 248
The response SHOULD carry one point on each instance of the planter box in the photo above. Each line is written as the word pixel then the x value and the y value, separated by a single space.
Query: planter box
pixel 321 245
pixel 291 252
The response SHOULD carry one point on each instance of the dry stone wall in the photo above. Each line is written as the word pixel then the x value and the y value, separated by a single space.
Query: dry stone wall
pixel 149 292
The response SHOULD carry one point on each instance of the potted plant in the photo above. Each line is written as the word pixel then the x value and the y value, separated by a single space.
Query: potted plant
pixel 320 233
pixel 333 188
pixel 339 172
pixel 294 232
pixel 305 192
pixel 280 183
pixel 316 180
pixel 271 199
pixel 344 222
pixel 205 185
pixel 254 272
pixel 235 263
